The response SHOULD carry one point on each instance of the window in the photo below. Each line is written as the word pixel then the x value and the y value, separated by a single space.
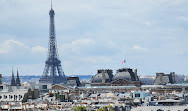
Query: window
pixel 5 97
pixel 0 97
pixel 44 86
pixel 1 87
pixel 137 95
pixel 20 96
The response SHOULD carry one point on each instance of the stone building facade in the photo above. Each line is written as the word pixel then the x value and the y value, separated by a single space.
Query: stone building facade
pixel 31 94
pixel 73 81
pixel 12 94
pixel 163 79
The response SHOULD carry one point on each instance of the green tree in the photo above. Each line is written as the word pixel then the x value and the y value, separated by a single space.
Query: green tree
pixel 101 109
pixel 109 107
pixel 79 108
pixel 106 108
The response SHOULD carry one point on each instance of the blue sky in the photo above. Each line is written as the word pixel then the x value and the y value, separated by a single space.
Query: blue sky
pixel 94 34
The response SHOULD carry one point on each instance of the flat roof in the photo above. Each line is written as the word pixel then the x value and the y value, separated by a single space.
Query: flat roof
pixel 152 86
pixel 169 100
pixel 106 87
pixel 182 84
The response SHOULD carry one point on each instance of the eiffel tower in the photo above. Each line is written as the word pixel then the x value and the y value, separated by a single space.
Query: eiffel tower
pixel 52 64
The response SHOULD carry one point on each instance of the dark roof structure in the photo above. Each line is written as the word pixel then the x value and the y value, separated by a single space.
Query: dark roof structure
pixel 18 80
pixel 13 82
pixel 123 77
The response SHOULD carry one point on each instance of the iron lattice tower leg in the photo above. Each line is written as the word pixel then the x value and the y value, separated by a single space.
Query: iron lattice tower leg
pixel 52 64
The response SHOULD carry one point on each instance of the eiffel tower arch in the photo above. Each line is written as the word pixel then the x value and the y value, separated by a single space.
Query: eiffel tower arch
pixel 53 71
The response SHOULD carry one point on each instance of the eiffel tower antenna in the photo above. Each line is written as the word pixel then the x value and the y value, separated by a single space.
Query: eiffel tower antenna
pixel 51 4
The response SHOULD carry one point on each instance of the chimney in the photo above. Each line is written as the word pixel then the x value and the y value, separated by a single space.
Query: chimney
pixel 103 76
pixel 135 73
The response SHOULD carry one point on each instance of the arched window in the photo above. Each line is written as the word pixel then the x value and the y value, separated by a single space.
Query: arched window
pixel 5 96
pixel 20 97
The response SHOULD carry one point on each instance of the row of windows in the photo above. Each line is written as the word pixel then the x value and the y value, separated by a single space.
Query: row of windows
pixel 11 97
pixel 168 110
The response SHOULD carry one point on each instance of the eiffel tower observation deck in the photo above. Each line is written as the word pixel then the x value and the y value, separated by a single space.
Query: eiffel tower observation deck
pixel 53 72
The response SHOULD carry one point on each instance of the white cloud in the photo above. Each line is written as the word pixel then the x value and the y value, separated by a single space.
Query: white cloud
pixel 82 44
pixel 77 45
pixel 97 59
pixel 139 48
pixel 3 51
pixel 86 41
pixel 11 45
pixel 38 49
pixel 185 18
pixel 147 23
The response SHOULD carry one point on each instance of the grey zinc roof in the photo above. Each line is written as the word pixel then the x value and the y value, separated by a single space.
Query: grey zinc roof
pixel 106 87
pixel 98 77
pixel 122 75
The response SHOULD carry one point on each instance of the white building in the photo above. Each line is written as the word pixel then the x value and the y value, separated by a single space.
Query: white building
pixel 161 108
pixel 12 94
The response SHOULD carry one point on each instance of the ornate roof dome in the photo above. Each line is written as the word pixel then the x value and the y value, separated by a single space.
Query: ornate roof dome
pixel 98 78
pixel 122 75
pixel 125 73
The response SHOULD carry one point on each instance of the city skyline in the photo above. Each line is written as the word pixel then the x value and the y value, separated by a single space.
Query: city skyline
pixel 91 35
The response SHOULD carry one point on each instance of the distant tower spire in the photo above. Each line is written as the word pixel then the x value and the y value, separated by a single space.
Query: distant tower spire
pixel 18 79
pixel 13 83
